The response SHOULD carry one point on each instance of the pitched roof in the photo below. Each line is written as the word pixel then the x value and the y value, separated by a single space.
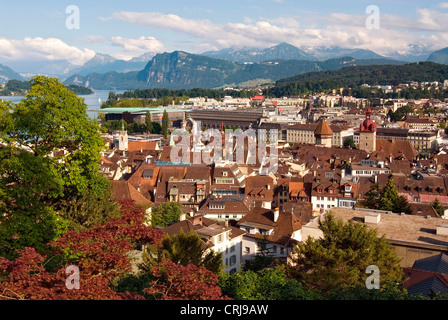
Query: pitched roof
pixel 424 282
pixel 323 129
pixel 142 145
pixel 125 190
pixel 437 263
pixel 397 148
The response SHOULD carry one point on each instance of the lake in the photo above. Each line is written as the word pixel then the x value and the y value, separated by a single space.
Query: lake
pixel 93 101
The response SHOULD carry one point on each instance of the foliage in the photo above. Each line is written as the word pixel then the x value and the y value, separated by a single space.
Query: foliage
pixel 177 282
pixel 438 207
pixel 372 197
pixel 101 254
pixel 339 259
pixel 165 214
pixel 268 284
pixel 89 210
pixel 183 249
pixel 355 76
pixel 51 154
pixel 165 124
pixel 389 291
pixel 261 260
pixel 349 143
pixel 386 199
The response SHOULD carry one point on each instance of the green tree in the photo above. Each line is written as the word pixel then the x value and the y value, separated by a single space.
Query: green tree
pixel 268 284
pixel 340 257
pixel 438 207
pixel 372 197
pixel 165 123
pixel 148 122
pixel 166 213
pixel 349 143
pixel 389 196
pixel 182 248
pixel 52 153
pixel 261 260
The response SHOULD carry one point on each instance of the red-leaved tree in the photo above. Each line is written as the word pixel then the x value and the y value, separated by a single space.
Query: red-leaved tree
pixel 177 282
pixel 101 254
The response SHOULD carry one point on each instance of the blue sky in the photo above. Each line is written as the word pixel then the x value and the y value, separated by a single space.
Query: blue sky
pixel 124 29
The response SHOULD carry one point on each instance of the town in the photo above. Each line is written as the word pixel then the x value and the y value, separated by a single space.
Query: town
pixel 332 150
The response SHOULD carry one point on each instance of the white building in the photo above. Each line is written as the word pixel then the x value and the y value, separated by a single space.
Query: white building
pixel 217 236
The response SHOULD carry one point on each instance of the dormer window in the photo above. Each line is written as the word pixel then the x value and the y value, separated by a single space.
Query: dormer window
pixel 319 190
pixel 224 173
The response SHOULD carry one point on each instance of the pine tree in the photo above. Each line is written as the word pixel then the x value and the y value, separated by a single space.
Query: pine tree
pixel 389 196
pixel 438 207
pixel 165 123
pixel 339 259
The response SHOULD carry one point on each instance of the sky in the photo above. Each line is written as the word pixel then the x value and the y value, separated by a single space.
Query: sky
pixel 52 30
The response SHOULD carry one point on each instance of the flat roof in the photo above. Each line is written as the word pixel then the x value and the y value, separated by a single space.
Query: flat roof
pixel 408 228
pixel 140 110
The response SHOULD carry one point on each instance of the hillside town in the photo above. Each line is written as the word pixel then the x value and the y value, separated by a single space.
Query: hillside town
pixel 332 150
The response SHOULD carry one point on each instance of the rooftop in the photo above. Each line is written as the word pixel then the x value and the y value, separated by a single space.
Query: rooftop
pixel 408 228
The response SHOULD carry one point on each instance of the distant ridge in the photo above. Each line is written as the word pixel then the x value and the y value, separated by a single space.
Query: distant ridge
pixel 7 74
pixel 183 70
pixel 282 51
pixel 440 56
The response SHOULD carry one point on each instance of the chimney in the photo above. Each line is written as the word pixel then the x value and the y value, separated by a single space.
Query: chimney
pixel 372 217
pixel 276 214
pixel 442 229
pixel 197 220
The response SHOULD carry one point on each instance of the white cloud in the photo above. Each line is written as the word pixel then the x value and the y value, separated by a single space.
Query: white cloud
pixel 42 49
pixel 130 47
pixel 140 45
pixel 396 33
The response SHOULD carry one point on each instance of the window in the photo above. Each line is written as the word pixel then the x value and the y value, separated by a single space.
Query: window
pixel 232 260
pixel 246 249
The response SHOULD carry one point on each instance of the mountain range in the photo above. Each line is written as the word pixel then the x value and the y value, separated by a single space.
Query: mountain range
pixel 182 70
pixel 228 67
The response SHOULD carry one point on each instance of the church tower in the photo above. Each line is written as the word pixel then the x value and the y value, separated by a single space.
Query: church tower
pixel 323 134
pixel 367 134
pixel 122 139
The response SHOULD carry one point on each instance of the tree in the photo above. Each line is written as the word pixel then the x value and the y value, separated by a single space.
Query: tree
pixel 389 196
pixel 52 152
pixel 166 213
pixel 268 284
pixel 339 259
pixel 372 197
pixel 89 210
pixel 183 249
pixel 148 122
pixel 438 207
pixel 261 260
pixel 177 282
pixel 101 254
pixel 165 123
pixel 349 143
